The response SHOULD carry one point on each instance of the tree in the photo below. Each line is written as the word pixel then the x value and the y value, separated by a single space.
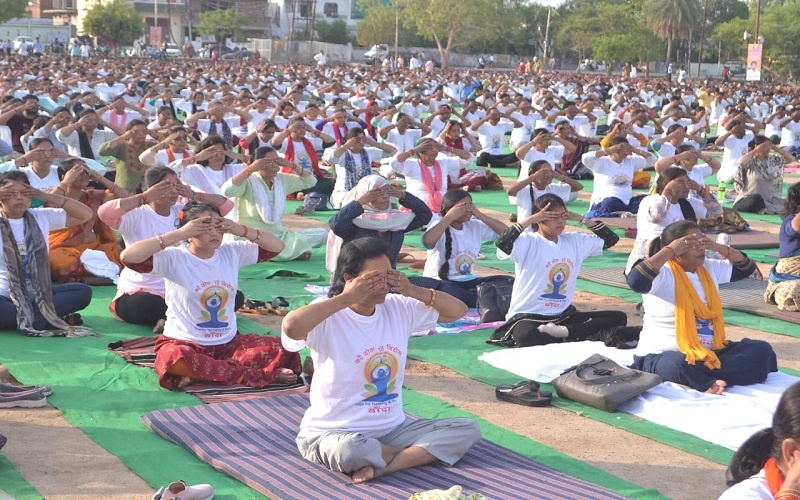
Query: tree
pixel 335 32
pixel 114 22
pixel 455 23
pixel 672 19
pixel 586 21
pixel 10 9
pixel 222 23
pixel 378 24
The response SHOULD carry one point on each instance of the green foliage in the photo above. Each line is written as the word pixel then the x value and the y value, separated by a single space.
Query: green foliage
pixel 333 32
pixel 722 11
pixel 635 45
pixel 730 35
pixel 780 26
pixel 587 21
pixel 115 22
pixel 378 24
pixel 222 23
pixel 672 19
pixel 456 23
pixel 10 9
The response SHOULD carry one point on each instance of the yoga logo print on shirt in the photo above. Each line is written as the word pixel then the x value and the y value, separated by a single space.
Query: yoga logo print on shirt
pixel 464 263
pixel 621 180
pixel 303 160
pixel 496 141
pixel 558 275
pixel 705 332
pixel 380 373
pixel 212 302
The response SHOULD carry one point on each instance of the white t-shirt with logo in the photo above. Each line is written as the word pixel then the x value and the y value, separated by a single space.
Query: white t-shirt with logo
pixel 139 224
pixel 359 366
pixel 47 219
pixel 612 179
pixel 466 245
pixel 491 136
pixel 546 272
pixel 411 170
pixel 521 135
pixel 658 330
pixel 200 293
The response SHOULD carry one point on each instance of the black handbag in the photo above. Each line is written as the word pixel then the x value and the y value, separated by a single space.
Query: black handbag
pixel 494 299
pixel 317 201
pixel 601 383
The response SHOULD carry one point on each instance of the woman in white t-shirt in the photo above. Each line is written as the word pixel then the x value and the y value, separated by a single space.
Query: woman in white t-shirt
pixel 767 465
pixel 358 339
pixel 211 165
pixel 547 262
pixel 540 182
pixel 200 340
pixel 453 240
pixel 683 337
pixel 670 203
pixel 28 301
pixel 140 297
pixel 686 157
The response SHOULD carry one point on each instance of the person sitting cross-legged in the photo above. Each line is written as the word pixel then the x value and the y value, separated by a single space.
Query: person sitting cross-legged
pixel 358 339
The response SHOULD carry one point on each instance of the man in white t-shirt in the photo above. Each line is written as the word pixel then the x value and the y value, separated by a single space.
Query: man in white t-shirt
pixel 358 340
pixel 790 134
pixel 613 170
pixel 491 134
pixel 735 144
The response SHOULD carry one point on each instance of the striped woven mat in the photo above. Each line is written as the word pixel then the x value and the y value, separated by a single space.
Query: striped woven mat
pixel 254 441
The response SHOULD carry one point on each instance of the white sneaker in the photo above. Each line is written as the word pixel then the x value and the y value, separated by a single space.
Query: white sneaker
pixel 180 491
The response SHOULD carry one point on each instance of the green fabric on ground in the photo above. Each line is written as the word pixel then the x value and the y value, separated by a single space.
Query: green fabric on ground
pixel 431 407
pixel 13 484
pixel 459 353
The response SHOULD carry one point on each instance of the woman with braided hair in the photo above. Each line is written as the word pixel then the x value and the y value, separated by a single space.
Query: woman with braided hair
pixel 454 242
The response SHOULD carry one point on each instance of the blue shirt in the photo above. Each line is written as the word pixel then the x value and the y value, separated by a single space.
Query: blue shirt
pixel 788 238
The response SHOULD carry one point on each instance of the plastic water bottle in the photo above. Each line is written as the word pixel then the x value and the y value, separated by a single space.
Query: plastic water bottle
pixel 721 192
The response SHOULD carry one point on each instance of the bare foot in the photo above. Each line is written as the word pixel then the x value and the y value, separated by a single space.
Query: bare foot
pixel 717 388
pixel 477 189
pixel 301 196
pixel 363 474
pixel 304 256
pixel 184 382
pixel 159 328
pixel 286 376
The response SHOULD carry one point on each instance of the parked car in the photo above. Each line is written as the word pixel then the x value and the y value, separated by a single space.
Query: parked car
pixel 172 50
pixel 737 68
pixel 378 52
pixel 19 39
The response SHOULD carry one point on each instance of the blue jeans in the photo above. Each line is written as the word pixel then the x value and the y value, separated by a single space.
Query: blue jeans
pixel 465 291
pixel 67 298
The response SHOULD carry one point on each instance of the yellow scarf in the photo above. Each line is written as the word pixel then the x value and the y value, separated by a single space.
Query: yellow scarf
pixel 689 307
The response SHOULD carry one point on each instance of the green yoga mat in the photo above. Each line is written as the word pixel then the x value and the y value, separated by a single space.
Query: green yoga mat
pixel 13 484
pixel 460 352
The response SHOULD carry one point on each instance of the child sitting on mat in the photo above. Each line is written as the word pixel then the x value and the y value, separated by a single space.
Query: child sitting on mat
pixel 200 340
pixel 359 340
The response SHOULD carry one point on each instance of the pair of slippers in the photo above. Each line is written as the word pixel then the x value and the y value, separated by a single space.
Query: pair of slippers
pixel 279 306
pixel 526 393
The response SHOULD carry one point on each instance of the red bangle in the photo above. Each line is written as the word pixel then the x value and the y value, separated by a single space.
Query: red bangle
pixel 674 255
pixel 161 242
pixel 258 236
pixel 245 232
pixel 728 254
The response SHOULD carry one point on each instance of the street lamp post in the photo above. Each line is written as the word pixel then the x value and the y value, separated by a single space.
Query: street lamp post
pixel 397 8
pixel 30 15
pixel 546 39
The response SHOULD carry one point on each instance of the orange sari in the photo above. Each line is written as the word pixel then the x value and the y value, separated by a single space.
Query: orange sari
pixel 67 245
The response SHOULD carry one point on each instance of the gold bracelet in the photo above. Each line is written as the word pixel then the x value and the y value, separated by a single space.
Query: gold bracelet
pixel 433 298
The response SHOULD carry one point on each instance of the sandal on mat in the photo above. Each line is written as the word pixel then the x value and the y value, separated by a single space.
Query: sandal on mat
pixel 279 306
pixel 524 393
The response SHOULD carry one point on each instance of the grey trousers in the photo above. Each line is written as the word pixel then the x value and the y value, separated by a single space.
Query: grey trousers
pixel 446 439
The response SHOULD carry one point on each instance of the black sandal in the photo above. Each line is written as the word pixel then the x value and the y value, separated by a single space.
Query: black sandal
pixel 526 393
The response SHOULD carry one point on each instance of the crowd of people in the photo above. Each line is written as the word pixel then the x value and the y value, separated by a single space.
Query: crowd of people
pixel 165 179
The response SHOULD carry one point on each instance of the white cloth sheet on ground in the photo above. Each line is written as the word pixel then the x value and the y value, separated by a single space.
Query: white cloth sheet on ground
pixel 726 420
